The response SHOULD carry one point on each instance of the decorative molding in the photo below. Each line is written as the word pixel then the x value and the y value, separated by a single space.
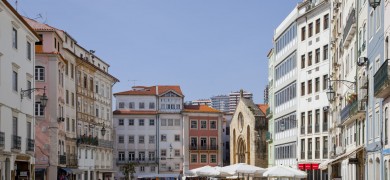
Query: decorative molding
pixel 16 24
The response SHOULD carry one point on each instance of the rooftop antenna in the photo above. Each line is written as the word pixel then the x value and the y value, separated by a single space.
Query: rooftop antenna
pixel 16 5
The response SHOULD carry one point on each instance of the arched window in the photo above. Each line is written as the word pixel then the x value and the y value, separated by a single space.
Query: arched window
pixel 39 73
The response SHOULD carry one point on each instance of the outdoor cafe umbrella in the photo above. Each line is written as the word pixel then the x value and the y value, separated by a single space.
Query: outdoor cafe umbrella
pixel 242 168
pixel 284 171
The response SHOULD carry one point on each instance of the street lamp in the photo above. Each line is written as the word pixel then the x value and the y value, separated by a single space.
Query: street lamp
pixel 103 131
pixel 27 92
pixel 330 93
pixel 374 3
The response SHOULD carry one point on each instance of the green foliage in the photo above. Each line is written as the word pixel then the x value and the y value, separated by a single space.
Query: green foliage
pixel 128 170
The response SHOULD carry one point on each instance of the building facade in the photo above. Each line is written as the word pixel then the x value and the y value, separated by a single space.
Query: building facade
pixel 248 130
pixel 313 106
pixel 285 130
pixel 17 61
pixel 270 109
pixel 234 98
pixel 202 138
pixel 220 102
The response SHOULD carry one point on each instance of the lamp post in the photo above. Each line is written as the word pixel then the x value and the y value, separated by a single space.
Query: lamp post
pixel 27 92
pixel 103 131
pixel 330 94
pixel 374 3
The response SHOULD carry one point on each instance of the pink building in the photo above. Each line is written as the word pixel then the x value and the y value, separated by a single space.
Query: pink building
pixel 202 136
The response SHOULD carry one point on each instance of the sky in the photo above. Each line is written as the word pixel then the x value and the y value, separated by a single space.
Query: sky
pixel 208 47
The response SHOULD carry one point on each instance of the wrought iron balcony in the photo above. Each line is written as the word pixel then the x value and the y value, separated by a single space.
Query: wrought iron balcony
pixel 310 155
pixel 62 159
pixel 317 154
pixel 16 142
pixel 71 161
pixel 88 140
pixel 302 154
pixel 2 138
pixel 317 128
pixel 382 81
pixel 302 129
pixel 136 161
pixel 268 136
pixel 350 28
pixel 204 147
pixel 325 127
pixel 30 144
pixel 325 153
pixel 353 110
pixel 310 129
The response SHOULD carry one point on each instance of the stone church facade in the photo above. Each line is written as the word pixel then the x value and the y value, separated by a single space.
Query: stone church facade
pixel 248 130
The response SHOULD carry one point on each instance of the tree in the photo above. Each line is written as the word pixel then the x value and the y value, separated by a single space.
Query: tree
pixel 129 169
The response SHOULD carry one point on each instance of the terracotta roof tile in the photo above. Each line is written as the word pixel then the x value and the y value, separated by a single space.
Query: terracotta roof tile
pixel 151 90
pixel 263 107
pixel 132 112
pixel 200 109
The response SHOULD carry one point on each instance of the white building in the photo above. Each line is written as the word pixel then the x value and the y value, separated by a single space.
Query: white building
pixel 202 102
pixel 149 130
pixel 285 91
pixel 17 60
pixel 313 106
pixel 234 98
pixel 220 102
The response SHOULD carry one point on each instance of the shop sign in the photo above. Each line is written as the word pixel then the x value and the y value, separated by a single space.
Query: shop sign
pixel 23 173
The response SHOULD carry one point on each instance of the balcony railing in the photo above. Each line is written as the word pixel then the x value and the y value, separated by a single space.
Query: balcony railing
pixel 310 129
pixel 2 138
pixel 317 128
pixel 325 153
pixel 62 159
pixel 204 147
pixel 350 28
pixel 310 155
pixel 381 81
pixel 352 110
pixel 317 154
pixel 106 143
pixel 302 129
pixel 88 140
pixel 71 160
pixel 325 127
pixel 303 155
pixel 30 144
pixel 136 161
pixel 16 142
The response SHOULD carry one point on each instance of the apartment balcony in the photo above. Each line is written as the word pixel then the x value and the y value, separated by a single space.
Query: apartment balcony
pixel 30 144
pixel 317 154
pixel 2 138
pixel 106 143
pixel 354 110
pixel 268 113
pixel 302 130
pixel 309 155
pixel 325 127
pixel 121 161
pixel 317 128
pixel 16 142
pixel 209 147
pixel 62 159
pixel 268 137
pixel 350 28
pixel 382 81
pixel 88 140
pixel 71 161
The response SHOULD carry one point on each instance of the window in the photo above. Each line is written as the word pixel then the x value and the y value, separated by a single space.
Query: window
pixel 141 139
pixel 151 105
pixel 302 88
pixel 302 148
pixel 177 152
pixel 325 120
pixel 131 122
pixel 309 121
pixel 177 122
pixel 177 137
pixel 131 105
pixel 310 148
pixel 73 125
pixel 317 153
pixel 194 124
pixel 151 122
pixel 203 158
pixel 142 168
pixel 310 57
pixel 213 124
pixel 120 122
pixel 142 105
pixel 286 66
pixel 72 99
pixel 152 156
pixel 67 96
pixel 14 38
pixel 131 156
pixel 194 143
pixel 170 122
pixel 28 48
pixel 29 86
pixel 71 70
pixel 14 81
pixel 121 105
pixel 39 73
pixel 325 52
pixel 152 168
pixel 303 33
pixel 194 158
pixel 151 139
pixel 318 25
pixel 131 139
pixel 378 18
pixel 309 86
pixel 310 29
pixel 39 111
pixel 141 122
pixel 121 156
pixel 317 120
pixel 325 82
pixel 317 84
pixel 213 158
pixel 317 58
pixel 67 124
pixel 303 61
pixel 163 152
pixel 326 21
pixel 163 122
pixel 121 139
pixel 163 137
pixel 203 124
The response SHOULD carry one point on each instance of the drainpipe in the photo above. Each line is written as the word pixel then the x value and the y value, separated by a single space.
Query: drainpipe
pixel 357 71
